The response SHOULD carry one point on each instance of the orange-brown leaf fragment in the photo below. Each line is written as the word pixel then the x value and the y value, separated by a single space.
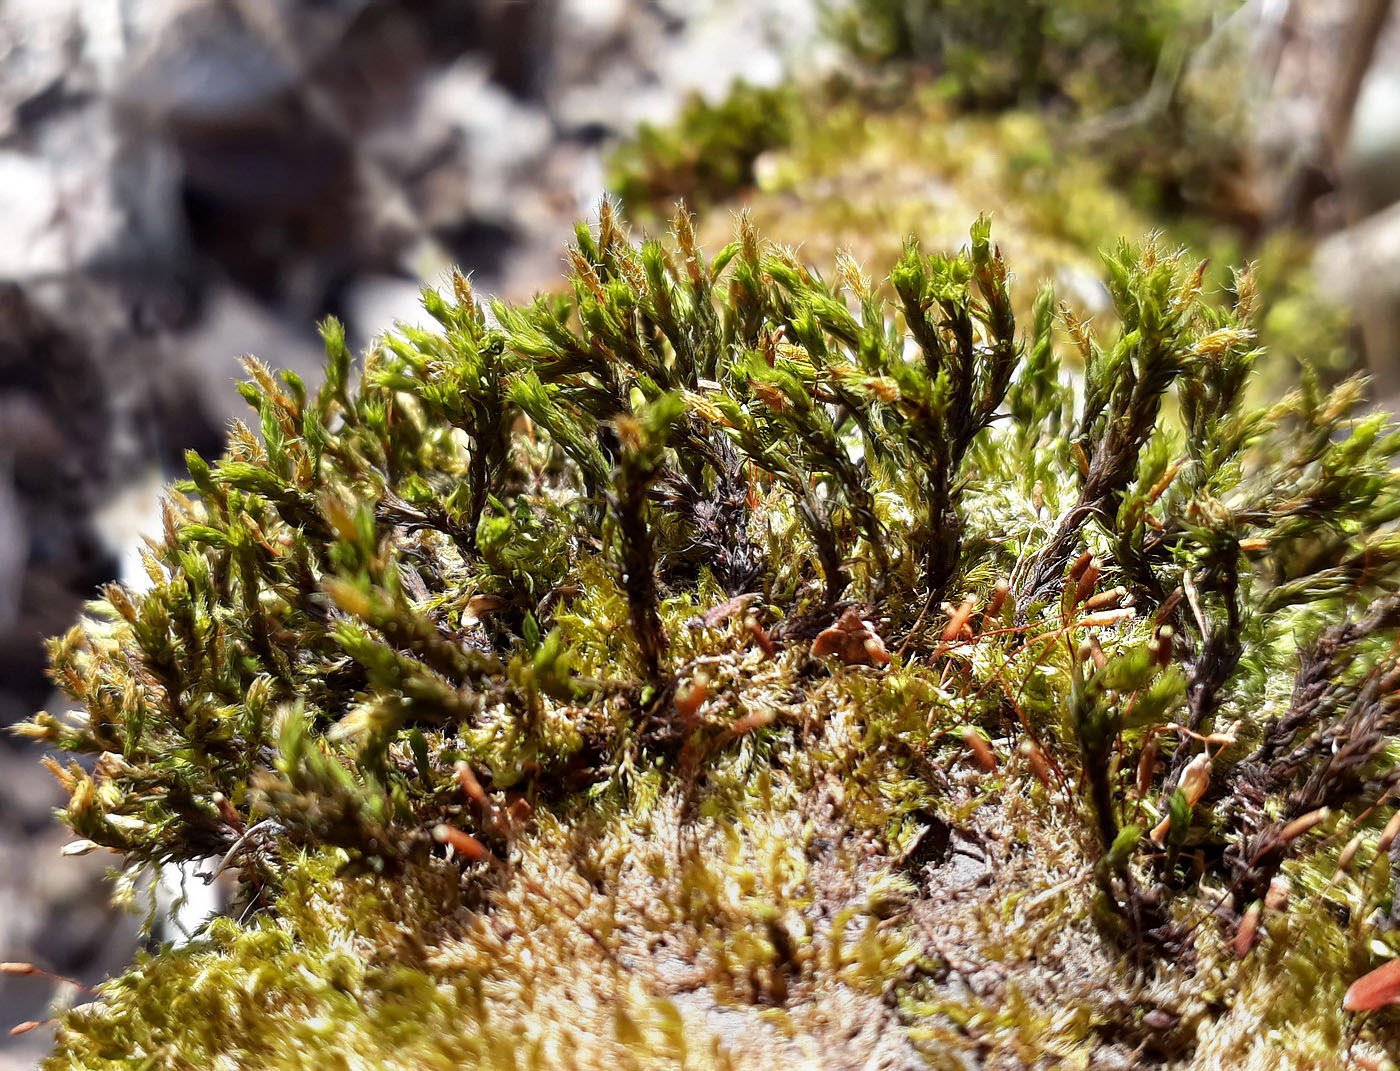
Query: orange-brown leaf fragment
pixel 1374 990
pixel 958 618
pixel 464 844
pixel 981 751
pixel 852 640
pixel 718 615
pixel 1249 928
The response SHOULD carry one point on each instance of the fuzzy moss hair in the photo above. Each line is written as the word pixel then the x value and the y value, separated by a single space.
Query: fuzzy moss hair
pixel 719 666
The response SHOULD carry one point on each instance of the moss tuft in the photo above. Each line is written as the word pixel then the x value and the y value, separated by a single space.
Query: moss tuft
pixel 721 664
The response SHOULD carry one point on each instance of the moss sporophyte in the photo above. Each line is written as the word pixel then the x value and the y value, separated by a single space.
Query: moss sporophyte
pixel 720 664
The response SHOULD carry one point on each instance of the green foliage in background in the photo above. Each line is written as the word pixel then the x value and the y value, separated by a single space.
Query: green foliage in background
pixel 1093 53
pixel 708 153
pixel 859 161
pixel 631 678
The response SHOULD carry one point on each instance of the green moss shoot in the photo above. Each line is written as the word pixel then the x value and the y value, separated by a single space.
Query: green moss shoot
pixel 723 664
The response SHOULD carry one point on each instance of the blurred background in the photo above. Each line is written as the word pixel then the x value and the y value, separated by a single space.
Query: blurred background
pixel 186 181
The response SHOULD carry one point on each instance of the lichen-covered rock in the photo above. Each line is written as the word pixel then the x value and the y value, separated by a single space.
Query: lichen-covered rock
pixel 493 672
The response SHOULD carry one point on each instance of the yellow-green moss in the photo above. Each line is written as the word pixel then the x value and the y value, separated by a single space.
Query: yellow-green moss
pixel 720 666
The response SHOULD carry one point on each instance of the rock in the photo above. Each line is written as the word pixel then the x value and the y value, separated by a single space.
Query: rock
pixel 1363 260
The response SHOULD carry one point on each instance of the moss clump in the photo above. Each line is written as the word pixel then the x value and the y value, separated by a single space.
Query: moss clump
pixel 718 665
pixel 1093 53
pixel 859 168
pixel 708 153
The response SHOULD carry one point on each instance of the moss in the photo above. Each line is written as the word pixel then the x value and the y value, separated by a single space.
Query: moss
pixel 718 665
pixel 1091 53
pixel 708 153
pixel 853 163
